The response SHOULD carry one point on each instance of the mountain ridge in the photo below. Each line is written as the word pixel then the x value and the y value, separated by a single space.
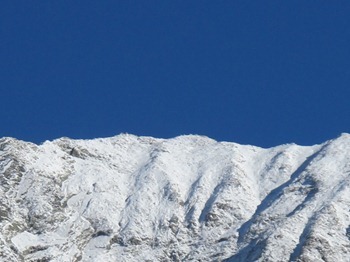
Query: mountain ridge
pixel 189 198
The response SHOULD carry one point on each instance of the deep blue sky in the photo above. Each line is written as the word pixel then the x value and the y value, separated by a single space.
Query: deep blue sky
pixel 257 72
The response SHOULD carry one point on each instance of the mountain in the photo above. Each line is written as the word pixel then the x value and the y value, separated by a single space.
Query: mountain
pixel 190 198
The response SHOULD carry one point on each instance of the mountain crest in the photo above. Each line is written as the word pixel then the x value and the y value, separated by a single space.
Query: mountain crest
pixel 190 198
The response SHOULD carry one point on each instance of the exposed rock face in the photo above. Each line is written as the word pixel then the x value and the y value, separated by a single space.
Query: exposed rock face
pixel 190 198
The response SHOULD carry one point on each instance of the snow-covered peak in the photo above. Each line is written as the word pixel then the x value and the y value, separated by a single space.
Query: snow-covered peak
pixel 129 198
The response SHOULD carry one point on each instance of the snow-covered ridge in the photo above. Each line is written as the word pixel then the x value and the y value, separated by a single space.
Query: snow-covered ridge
pixel 190 198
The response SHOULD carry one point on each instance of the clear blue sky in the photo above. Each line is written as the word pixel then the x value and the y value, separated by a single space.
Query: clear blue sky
pixel 252 72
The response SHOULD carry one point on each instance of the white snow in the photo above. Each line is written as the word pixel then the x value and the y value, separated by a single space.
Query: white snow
pixel 129 198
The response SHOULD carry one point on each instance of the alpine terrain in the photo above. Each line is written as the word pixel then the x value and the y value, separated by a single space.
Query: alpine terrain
pixel 190 198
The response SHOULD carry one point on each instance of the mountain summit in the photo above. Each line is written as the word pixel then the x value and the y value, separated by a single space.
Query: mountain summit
pixel 190 198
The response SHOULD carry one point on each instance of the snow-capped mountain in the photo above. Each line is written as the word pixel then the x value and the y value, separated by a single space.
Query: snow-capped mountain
pixel 189 198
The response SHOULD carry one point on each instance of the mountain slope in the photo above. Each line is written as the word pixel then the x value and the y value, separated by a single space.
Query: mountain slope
pixel 190 198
